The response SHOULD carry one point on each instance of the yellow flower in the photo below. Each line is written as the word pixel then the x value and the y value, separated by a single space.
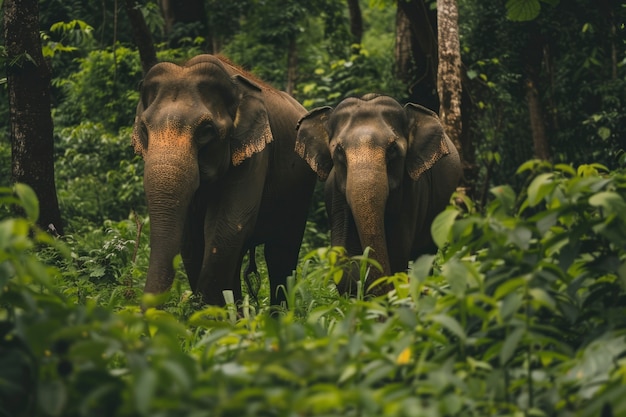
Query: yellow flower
pixel 404 357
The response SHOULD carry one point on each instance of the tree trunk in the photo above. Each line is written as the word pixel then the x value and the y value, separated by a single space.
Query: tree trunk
pixel 537 125
pixel 534 54
pixel 356 22
pixel 449 71
pixel 141 34
pixel 28 77
pixel 292 65
pixel 416 52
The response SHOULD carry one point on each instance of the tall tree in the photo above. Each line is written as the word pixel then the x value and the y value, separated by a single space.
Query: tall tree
pixel 533 56
pixel 449 70
pixel 28 77
pixel 356 21
pixel 416 51
pixel 141 34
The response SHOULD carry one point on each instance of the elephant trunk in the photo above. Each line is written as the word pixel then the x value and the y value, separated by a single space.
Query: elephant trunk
pixel 367 190
pixel 171 178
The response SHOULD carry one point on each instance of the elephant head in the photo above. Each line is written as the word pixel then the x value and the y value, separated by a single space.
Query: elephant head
pixel 193 124
pixel 369 149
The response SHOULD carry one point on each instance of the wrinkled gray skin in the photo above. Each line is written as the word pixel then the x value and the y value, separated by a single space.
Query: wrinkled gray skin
pixel 221 175
pixel 389 170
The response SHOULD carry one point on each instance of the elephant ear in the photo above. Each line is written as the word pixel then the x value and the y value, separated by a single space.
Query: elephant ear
pixel 312 141
pixel 137 138
pixel 427 140
pixel 252 130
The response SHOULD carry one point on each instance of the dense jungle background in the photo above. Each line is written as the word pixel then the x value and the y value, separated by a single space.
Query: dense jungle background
pixel 522 312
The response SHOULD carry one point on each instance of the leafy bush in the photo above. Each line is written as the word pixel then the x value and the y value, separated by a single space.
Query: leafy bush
pixel 104 90
pixel 353 77
pixel 521 313
pixel 98 176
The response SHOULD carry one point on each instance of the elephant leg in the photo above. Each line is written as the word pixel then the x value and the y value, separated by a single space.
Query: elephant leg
pixel 228 227
pixel 192 249
pixel 281 257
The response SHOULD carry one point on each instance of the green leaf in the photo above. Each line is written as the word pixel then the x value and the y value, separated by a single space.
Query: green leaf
pixel 442 225
pixel 604 132
pixel 608 200
pixel 505 195
pixel 145 388
pixel 510 344
pixel 520 237
pixel 508 287
pixel 522 10
pixel 29 201
pixel 52 397
pixel 541 186
pixel 451 324
pixel 456 274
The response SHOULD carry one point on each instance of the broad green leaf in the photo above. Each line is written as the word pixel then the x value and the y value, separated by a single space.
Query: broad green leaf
pixel 565 168
pixel 178 373
pixel 541 296
pixel 456 273
pixel 508 287
pixel 451 324
pixel 52 397
pixel 442 225
pixel 520 237
pixel 541 186
pixel 522 10
pixel 510 345
pixel 145 388
pixel 29 201
pixel 604 132
pixel 610 201
pixel 420 269
pixel 505 195
pixel 510 305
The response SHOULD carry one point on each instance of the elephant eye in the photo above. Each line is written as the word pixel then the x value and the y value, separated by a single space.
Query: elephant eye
pixel 205 133
pixel 393 151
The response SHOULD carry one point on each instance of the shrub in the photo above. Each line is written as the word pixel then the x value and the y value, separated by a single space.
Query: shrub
pixel 520 313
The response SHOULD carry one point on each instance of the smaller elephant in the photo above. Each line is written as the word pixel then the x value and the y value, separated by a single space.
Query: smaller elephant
pixel 389 170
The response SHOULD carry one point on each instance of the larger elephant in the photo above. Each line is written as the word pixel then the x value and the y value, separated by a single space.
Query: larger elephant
pixel 221 175
pixel 389 170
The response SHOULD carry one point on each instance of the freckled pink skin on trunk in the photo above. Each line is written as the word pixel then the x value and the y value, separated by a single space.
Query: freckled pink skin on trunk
pixel 171 177
pixel 367 190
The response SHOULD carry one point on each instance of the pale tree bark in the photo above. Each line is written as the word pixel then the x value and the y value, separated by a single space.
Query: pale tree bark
pixel 449 70
pixel 28 77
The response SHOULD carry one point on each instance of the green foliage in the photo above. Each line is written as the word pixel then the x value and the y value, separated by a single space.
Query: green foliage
pixel 103 90
pixel 521 10
pixel 74 35
pixel 521 313
pixel 356 76
pixel 98 175
pixel 581 87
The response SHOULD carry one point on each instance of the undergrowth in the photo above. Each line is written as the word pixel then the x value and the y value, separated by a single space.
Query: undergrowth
pixel 521 313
